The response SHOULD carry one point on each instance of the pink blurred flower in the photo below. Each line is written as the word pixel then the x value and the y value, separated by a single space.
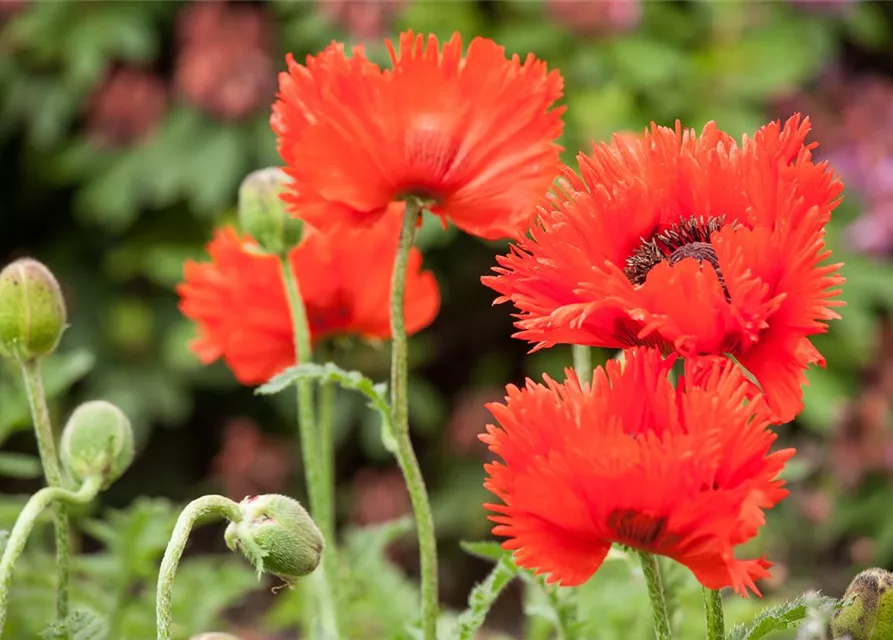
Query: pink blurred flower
pixel 587 17
pixel 362 18
pixel 9 8
pixel 224 64
pixel 127 107
pixel 469 420
pixel 250 462
pixel 379 496
pixel 824 6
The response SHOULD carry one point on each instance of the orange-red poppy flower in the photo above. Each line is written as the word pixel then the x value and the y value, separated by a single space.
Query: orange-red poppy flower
pixel 238 299
pixel 693 244
pixel 474 134
pixel 681 472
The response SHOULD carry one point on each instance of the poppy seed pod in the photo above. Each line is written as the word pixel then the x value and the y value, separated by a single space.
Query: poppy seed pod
pixel 262 214
pixel 97 441
pixel 32 310
pixel 277 536
pixel 867 612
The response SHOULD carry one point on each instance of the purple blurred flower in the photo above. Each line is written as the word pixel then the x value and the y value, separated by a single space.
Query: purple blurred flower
pixel 587 17
pixel 825 6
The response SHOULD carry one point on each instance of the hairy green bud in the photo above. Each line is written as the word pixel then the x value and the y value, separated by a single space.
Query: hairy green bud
pixel 32 310
pixel 867 611
pixel 277 536
pixel 262 214
pixel 97 441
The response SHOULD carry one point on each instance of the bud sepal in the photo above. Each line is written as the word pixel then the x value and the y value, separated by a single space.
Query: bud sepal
pixel 277 536
pixel 262 214
pixel 866 612
pixel 32 311
pixel 97 441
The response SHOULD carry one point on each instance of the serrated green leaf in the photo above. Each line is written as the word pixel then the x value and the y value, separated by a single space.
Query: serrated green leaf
pixel 82 624
pixel 778 618
pixel 376 394
pixel 482 598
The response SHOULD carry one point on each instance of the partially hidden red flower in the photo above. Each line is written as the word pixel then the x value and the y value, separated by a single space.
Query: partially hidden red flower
pixel 239 303
pixel 693 244
pixel 681 472
pixel 475 134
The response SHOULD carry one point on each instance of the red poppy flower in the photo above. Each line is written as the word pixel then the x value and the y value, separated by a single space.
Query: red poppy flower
pixel 238 299
pixel 684 473
pixel 475 134
pixel 691 244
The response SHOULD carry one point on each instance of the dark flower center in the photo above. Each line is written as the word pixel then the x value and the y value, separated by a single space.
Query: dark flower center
pixel 686 239
pixel 637 529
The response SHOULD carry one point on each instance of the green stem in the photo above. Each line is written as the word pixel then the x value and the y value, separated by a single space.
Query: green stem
pixel 660 614
pixel 46 444
pixel 321 496
pixel 326 404
pixel 406 457
pixel 716 629
pixel 583 362
pixel 25 523
pixel 199 508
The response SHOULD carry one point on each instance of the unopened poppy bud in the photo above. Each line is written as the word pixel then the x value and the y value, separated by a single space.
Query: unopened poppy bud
pixel 867 611
pixel 262 214
pixel 32 311
pixel 277 536
pixel 97 441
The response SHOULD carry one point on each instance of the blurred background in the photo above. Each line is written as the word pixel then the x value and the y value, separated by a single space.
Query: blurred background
pixel 125 129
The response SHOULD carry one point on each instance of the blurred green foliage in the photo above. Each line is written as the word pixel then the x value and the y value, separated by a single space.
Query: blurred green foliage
pixel 116 222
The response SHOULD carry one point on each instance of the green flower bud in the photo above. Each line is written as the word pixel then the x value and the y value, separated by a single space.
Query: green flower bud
pixel 97 441
pixel 262 214
pixel 32 311
pixel 867 613
pixel 277 536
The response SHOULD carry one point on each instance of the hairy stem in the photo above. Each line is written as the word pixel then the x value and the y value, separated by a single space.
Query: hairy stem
pixel 406 457
pixel 716 629
pixel 199 508
pixel 326 404
pixel 583 362
pixel 25 523
pixel 46 444
pixel 313 450
pixel 660 614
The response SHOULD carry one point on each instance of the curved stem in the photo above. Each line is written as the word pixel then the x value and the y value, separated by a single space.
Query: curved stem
pixel 583 362
pixel 409 464
pixel 204 506
pixel 313 451
pixel 46 444
pixel 660 614
pixel 716 629
pixel 25 523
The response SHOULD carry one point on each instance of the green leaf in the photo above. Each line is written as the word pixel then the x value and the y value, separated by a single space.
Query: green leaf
pixel 19 465
pixel 485 550
pixel 83 624
pixel 778 618
pixel 482 598
pixel 376 394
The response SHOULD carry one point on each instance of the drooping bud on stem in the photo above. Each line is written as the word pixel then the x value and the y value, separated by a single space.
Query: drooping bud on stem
pixel 262 214
pixel 867 612
pixel 97 441
pixel 277 536
pixel 32 310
